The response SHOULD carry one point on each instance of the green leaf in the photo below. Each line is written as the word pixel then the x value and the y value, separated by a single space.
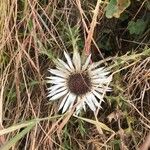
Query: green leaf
pixel 116 7
pixel 15 139
pixel 30 25
pixel 147 5
pixel 111 8
pixel 96 123
pixel 17 126
pixel 137 27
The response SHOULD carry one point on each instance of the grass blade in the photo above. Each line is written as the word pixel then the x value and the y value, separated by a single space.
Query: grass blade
pixel 15 139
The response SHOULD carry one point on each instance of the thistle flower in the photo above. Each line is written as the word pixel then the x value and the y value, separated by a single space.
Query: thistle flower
pixel 78 83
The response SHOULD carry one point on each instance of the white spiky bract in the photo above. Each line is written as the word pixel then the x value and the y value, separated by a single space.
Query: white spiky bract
pixel 59 88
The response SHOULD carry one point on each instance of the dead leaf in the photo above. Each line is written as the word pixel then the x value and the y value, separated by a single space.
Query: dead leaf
pixel 2 137
pixel 146 144
pixel 117 114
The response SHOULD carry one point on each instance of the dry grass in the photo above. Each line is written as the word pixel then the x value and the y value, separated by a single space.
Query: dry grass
pixel 32 35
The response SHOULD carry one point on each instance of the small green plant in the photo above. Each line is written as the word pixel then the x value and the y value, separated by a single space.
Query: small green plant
pixel 137 27
pixel 116 7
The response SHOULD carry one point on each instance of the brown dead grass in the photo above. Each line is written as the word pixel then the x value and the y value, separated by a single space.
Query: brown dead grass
pixel 31 35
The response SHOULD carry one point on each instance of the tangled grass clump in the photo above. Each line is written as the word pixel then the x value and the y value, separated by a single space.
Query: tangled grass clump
pixel 33 34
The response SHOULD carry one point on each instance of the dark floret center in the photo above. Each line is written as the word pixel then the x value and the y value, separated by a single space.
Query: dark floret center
pixel 79 83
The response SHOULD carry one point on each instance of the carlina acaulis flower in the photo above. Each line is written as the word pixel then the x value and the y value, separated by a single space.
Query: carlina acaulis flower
pixel 74 82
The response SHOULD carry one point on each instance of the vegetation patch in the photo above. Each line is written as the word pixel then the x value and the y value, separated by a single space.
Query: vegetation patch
pixel 35 34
